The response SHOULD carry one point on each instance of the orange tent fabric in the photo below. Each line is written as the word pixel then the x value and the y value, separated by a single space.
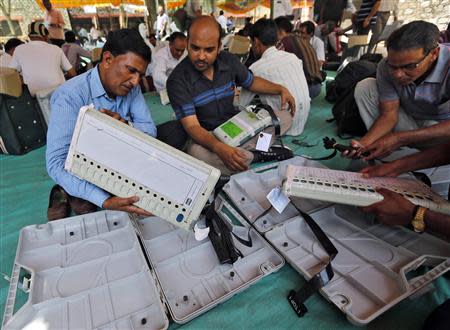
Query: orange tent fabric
pixel 81 3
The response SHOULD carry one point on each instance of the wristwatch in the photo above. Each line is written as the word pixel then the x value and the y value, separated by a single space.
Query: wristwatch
pixel 418 221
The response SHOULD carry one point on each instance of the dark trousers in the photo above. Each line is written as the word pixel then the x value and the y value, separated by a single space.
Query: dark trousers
pixel 173 134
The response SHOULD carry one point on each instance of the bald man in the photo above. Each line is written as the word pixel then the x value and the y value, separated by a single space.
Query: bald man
pixel 201 91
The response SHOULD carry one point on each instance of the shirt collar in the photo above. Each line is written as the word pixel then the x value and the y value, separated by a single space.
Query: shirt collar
pixel 95 83
pixel 437 74
pixel 269 52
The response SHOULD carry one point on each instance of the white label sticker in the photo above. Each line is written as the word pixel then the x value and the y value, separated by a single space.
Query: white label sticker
pixel 278 199
pixel 264 140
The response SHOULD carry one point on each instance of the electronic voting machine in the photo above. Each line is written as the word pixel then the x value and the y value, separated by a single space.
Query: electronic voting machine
pixel 126 162
pixel 242 127
pixel 353 189
pixel 376 266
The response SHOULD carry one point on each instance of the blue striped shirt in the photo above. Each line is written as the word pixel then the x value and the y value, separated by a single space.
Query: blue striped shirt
pixel 65 104
pixel 364 11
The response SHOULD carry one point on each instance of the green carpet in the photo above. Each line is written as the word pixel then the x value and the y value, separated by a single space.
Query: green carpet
pixel 24 189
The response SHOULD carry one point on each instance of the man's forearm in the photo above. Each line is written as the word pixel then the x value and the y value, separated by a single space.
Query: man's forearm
pixel 381 126
pixel 438 223
pixel 374 9
pixel 264 86
pixel 432 157
pixel 436 133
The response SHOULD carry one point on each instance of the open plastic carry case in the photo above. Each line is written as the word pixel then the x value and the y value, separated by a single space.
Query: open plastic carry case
pixel 106 270
pixel 376 266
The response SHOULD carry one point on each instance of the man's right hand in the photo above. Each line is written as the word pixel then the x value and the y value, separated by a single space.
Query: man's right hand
pixel 124 204
pixel 233 158
pixel 387 169
pixel 358 149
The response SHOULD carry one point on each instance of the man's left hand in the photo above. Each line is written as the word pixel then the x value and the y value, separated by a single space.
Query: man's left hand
pixel 383 146
pixel 113 114
pixel 393 210
pixel 286 97
pixel 366 22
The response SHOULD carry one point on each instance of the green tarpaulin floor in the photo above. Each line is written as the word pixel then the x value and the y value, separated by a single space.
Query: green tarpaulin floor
pixel 25 187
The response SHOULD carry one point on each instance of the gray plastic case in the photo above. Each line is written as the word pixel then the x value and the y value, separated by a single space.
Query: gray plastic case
pixel 374 262
pixel 90 272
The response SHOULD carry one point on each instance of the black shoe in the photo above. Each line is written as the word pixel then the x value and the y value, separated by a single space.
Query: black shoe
pixel 275 153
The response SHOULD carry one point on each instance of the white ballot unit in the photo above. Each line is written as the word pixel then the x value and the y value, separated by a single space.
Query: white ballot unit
pixel 126 162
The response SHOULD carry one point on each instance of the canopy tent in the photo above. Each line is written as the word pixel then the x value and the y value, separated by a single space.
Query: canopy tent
pixel 241 7
pixel 81 3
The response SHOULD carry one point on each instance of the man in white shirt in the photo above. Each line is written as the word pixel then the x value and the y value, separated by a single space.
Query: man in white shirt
pixel 222 20
pixel 162 23
pixel 167 58
pixel 41 64
pixel 278 67
pixel 384 12
pixel 10 46
pixel 307 32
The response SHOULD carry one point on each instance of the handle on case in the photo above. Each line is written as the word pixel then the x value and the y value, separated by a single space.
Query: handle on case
pixel 418 282
pixel 9 305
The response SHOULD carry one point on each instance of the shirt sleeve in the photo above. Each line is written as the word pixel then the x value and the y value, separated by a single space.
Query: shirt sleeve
pixel 140 115
pixel 83 52
pixel 65 64
pixel 65 107
pixel 242 76
pixel 320 49
pixel 179 96
pixel 385 86
pixel 159 71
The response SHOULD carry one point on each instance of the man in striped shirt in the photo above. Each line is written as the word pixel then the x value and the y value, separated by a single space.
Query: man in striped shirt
pixel 366 17
pixel 279 67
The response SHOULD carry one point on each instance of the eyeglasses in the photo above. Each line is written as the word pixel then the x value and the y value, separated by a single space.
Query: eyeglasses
pixel 410 66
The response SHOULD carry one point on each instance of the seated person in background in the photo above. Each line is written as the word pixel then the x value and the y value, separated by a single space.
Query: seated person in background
pixel 112 86
pixel 74 51
pixel 167 58
pixel 444 36
pixel 395 209
pixel 307 32
pixel 41 64
pixel 292 43
pixel 201 91
pixel 409 101
pixel 10 47
pixel 279 67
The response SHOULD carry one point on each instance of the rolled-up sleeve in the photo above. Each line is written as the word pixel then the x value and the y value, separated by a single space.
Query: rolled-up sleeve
pixel 243 76
pixel 64 112
pixel 180 98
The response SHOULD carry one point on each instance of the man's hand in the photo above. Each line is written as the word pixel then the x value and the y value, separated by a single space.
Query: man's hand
pixel 125 204
pixel 387 169
pixel 383 146
pixel 393 210
pixel 233 158
pixel 113 114
pixel 366 22
pixel 358 149
pixel 286 97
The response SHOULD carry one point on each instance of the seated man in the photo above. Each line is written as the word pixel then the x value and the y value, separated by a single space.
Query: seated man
pixel 10 47
pixel 409 102
pixel 279 67
pixel 41 64
pixel 307 32
pixel 112 86
pixel 167 58
pixel 201 91
pixel 395 209
pixel 73 51
pixel 292 43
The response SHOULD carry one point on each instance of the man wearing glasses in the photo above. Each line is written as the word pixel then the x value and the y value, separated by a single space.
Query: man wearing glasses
pixel 409 101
